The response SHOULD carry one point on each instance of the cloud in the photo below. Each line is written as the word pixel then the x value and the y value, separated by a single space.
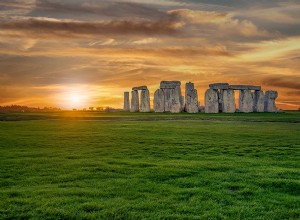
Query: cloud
pixel 283 82
pixel 44 27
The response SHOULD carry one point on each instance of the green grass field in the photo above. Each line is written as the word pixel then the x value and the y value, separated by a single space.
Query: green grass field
pixel 74 165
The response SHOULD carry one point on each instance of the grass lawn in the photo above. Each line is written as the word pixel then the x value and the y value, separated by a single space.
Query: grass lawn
pixel 149 166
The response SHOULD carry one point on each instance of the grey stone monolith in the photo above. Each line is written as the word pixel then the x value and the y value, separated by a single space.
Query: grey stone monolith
pixel 134 101
pixel 220 96
pixel 245 101
pixel 167 99
pixel 176 100
pixel 269 102
pixel 145 101
pixel 228 103
pixel 258 101
pixel 126 102
pixel 182 103
pixel 211 101
pixel 159 101
pixel 191 98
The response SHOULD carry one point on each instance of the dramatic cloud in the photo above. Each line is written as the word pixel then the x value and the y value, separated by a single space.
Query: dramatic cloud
pixel 52 49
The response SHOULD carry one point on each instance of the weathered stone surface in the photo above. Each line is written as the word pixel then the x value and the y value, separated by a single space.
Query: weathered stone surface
pixel 228 104
pixel 173 100
pixel 140 88
pixel 134 101
pixel 258 101
pixel 220 97
pixel 159 101
pixel 182 103
pixel 245 101
pixel 211 101
pixel 169 84
pixel 176 99
pixel 244 87
pixel 145 101
pixel 168 99
pixel 219 86
pixel 126 102
pixel 191 98
pixel 269 102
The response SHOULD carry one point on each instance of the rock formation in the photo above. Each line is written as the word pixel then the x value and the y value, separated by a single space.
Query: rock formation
pixel 134 101
pixel 191 98
pixel 126 102
pixel 211 101
pixel 220 97
pixel 245 101
pixel 269 102
pixel 228 101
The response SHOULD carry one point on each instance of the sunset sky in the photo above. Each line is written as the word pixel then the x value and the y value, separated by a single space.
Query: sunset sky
pixel 81 53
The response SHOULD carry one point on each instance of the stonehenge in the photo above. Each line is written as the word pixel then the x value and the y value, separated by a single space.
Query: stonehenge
pixel 219 97
pixel 249 101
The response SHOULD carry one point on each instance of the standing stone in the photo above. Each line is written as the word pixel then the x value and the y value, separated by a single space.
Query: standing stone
pixel 228 103
pixel 211 101
pixel 145 101
pixel 167 98
pixel 245 101
pixel 126 102
pixel 182 103
pixel 269 102
pixel 176 99
pixel 220 96
pixel 191 97
pixel 134 101
pixel 159 101
pixel 258 99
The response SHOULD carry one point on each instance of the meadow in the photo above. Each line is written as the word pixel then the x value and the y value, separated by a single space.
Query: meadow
pixel 81 165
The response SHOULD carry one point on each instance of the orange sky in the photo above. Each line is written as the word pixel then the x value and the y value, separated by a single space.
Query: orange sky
pixel 81 53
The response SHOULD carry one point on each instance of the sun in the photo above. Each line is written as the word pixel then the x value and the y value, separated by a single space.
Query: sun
pixel 75 98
